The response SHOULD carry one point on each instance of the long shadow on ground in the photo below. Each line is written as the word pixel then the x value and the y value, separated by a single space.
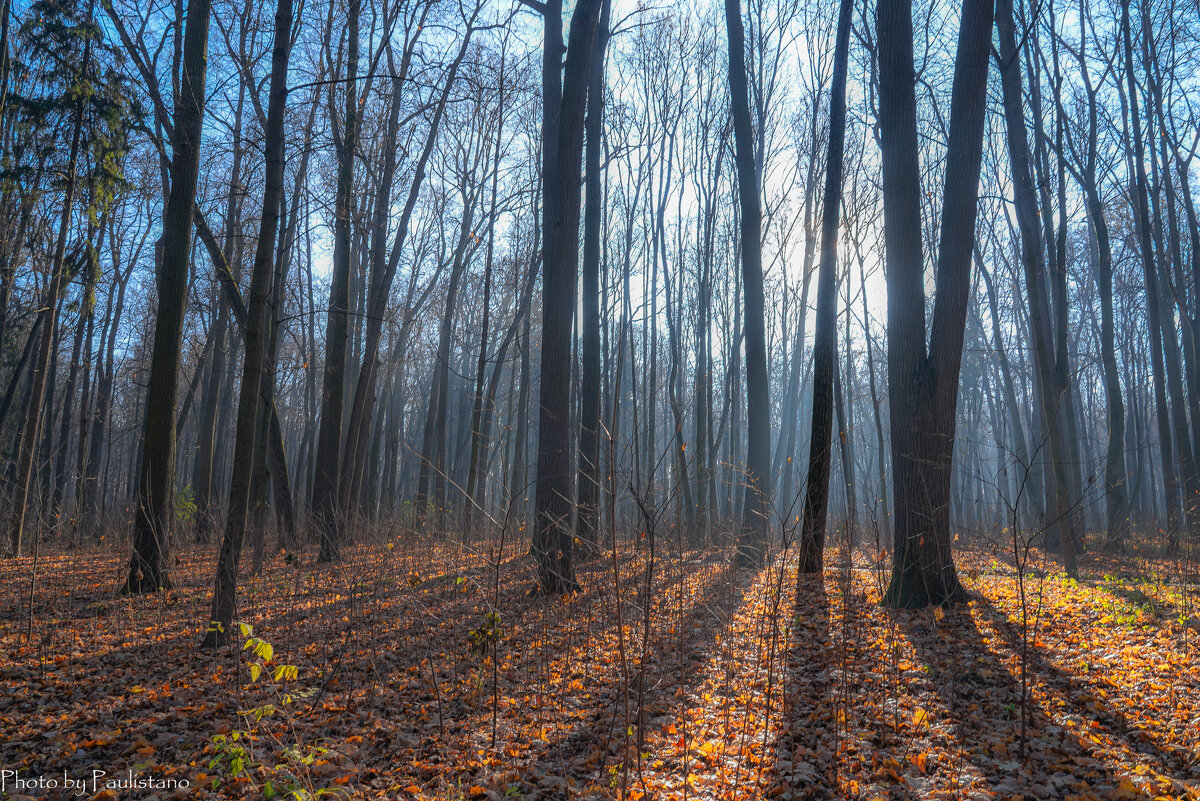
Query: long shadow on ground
pixel 600 733
pixel 803 759
pixel 980 698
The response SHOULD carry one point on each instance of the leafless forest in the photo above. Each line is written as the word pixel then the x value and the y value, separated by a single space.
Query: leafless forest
pixel 583 364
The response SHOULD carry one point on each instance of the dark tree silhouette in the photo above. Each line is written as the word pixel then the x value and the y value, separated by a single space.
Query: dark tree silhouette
pixel 923 378
pixel 156 486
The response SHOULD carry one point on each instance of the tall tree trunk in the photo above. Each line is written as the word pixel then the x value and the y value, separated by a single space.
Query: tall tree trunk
pixel 518 489
pixel 1153 313
pixel 329 437
pixel 562 149
pixel 477 400
pixel 48 316
pixel 877 416
pixel 1172 297
pixel 1020 446
pixel 756 508
pixel 78 363
pixel 156 487
pixel 588 509
pixel 383 272
pixel 816 496
pixel 1051 394
pixel 203 466
pixel 254 336
pixel 92 498
pixel 213 412
pixel 1115 477
pixel 923 384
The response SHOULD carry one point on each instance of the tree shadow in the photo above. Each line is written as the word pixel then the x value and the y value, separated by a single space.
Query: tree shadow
pixel 979 697
pixel 1104 718
pixel 600 734
pixel 804 751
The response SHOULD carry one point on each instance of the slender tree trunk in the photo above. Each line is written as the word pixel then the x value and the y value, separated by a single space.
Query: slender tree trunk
pixel 213 413
pixel 92 497
pixel 254 336
pixel 78 363
pixel 816 497
pixel 49 321
pixel 1115 477
pixel 756 508
pixel 1020 446
pixel 382 274
pixel 329 437
pixel 1050 395
pixel 588 482
pixel 1145 239
pixel 203 467
pixel 877 416
pixel 477 400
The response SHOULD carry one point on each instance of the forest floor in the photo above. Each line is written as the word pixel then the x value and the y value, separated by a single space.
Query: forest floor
pixel 717 683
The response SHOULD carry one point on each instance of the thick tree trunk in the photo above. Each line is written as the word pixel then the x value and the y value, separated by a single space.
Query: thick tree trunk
pixel 156 487
pixel 562 149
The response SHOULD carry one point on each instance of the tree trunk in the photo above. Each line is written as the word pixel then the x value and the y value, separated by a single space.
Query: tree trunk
pixel 562 150
pixel 1145 239
pixel 588 483
pixel 383 273
pixel 1115 478
pixel 816 496
pixel 1051 394
pixel 923 385
pixel 78 363
pixel 156 487
pixel 254 335
pixel 329 434
pixel 756 507
pixel 48 317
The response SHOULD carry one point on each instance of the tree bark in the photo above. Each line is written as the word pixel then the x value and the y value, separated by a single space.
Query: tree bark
pixel 325 509
pixel 562 150
pixel 923 385
pixel 254 335
pixel 816 496
pixel 755 527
